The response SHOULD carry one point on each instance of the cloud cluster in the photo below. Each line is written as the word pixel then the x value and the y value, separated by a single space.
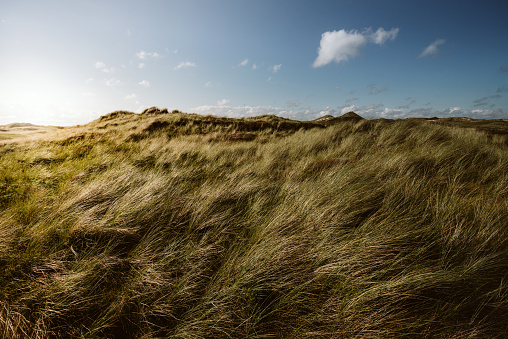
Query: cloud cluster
pixel 432 48
pixel 102 66
pixel 276 68
pixel 375 90
pixel 339 46
pixel 185 64
pixel 145 55
pixel 114 82
pixel 223 102
pixel 245 62
pixel 144 83
pixel 369 111
pixel 486 101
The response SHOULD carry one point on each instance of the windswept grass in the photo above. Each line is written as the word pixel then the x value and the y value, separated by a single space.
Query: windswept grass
pixel 173 225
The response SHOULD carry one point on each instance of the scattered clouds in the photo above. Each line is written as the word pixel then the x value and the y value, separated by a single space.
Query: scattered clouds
pixel 349 108
pixel 339 46
pixel 485 101
pixel 223 102
pixel 141 65
pixel 131 96
pixel 370 111
pixel 375 90
pixel 209 84
pixel 293 103
pixel 276 68
pixel 102 66
pixel 244 62
pixel 114 82
pixel 254 67
pixel 432 48
pixel 327 111
pixel 380 36
pixel 251 111
pixel 185 65
pixel 351 99
pixel 144 83
pixel 411 102
pixel 503 69
pixel 145 55
pixel 503 89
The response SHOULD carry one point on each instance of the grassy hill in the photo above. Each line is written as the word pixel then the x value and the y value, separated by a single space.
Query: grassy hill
pixel 173 225
pixel 21 130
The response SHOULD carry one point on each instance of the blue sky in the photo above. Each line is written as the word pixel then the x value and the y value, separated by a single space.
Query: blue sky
pixel 69 62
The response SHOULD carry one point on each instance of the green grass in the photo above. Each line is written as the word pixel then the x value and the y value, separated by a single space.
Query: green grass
pixel 173 225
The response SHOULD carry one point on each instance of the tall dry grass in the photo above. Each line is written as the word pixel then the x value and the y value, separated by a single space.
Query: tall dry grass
pixel 181 226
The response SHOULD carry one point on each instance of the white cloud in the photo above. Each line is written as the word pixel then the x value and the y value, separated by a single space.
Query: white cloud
pixel 185 65
pixel 269 79
pixel 254 67
pixel 369 111
pixel 349 108
pixel 244 62
pixel 141 65
pixel 223 102
pixel 131 96
pixel 144 83
pixel 145 55
pixel 114 82
pixel 339 46
pixel 102 66
pixel 380 36
pixel 327 111
pixel 432 48
pixel 276 68
pixel 209 84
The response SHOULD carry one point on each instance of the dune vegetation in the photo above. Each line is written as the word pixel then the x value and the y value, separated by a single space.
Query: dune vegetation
pixel 22 130
pixel 173 225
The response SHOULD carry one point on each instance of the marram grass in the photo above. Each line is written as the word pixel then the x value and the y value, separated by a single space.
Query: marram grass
pixel 172 225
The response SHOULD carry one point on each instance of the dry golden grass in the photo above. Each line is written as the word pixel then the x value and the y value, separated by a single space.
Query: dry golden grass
pixel 176 225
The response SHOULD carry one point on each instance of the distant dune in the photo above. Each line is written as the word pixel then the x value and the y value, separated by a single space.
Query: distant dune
pixel 21 130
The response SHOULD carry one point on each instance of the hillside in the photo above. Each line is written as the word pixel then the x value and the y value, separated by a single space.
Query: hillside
pixel 21 130
pixel 159 225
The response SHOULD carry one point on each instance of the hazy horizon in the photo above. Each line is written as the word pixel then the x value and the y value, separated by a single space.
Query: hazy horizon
pixel 67 63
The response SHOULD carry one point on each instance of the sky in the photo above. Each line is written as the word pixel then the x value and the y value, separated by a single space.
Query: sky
pixel 67 62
